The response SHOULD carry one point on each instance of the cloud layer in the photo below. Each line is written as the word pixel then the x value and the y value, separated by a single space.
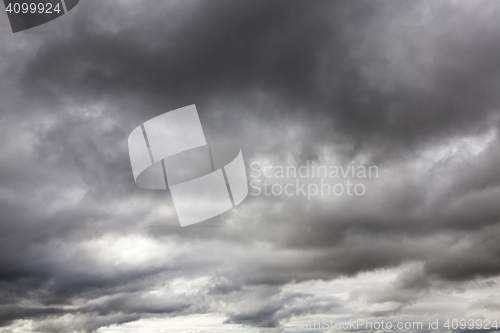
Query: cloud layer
pixel 411 88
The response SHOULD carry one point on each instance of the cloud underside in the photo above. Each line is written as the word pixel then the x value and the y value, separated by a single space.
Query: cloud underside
pixel 411 88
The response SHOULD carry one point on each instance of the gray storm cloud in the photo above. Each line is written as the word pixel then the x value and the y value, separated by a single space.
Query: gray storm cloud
pixel 411 87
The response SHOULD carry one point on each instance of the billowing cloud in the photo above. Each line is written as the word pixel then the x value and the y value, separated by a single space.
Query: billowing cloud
pixel 410 88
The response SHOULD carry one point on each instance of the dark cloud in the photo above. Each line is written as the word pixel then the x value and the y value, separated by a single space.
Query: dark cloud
pixel 409 87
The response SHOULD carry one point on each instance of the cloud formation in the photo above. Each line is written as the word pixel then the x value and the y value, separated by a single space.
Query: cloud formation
pixel 408 87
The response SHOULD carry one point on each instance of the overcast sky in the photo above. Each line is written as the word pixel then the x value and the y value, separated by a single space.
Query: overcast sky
pixel 412 87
